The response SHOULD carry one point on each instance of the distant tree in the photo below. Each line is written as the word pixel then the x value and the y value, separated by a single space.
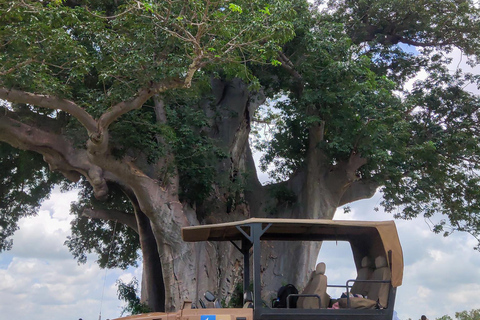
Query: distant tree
pixel 473 314
pixel 128 293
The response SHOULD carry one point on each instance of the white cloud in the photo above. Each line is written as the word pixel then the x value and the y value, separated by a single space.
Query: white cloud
pixel 39 237
pixel 39 279
pixel 34 288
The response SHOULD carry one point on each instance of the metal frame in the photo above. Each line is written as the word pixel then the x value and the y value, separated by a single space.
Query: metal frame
pixel 251 239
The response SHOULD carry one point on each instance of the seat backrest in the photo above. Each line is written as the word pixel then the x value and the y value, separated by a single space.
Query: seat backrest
pixel 379 291
pixel 364 273
pixel 316 285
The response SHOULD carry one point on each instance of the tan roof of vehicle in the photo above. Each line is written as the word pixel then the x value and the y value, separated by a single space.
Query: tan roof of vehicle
pixel 371 238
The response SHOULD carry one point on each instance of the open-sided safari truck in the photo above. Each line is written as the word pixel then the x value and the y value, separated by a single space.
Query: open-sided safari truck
pixel 370 296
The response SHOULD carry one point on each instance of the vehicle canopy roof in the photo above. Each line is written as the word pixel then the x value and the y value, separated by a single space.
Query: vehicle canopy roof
pixel 367 238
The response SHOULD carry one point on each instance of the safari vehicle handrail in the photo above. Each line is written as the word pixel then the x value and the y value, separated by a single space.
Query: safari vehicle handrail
pixel 368 281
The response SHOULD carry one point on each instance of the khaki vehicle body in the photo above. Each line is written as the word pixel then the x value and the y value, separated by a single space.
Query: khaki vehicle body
pixel 197 314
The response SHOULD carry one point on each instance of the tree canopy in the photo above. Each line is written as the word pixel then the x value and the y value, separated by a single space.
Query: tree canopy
pixel 149 105
pixel 418 143
pixel 463 315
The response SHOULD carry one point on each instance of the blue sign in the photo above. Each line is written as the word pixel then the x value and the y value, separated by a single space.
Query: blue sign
pixel 208 317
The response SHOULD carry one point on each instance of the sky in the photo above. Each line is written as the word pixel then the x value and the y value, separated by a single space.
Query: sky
pixel 39 279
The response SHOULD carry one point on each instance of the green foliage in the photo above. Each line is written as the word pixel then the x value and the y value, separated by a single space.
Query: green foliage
pixel 280 196
pixel 342 91
pixel 236 300
pixel 235 8
pixel 128 293
pixel 115 244
pixel 196 153
pixel 473 314
pixel 283 195
pixel 138 132
pixel 25 183
pixel 100 53
pixel 426 23
pixel 441 155
pixel 390 30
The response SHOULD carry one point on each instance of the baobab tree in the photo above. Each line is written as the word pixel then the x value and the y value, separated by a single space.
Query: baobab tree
pixel 149 107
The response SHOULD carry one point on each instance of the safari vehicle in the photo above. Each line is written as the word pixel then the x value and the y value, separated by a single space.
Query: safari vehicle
pixel 369 241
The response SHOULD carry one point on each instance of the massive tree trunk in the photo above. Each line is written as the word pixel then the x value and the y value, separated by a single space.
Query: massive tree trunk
pixel 314 191
pixel 319 188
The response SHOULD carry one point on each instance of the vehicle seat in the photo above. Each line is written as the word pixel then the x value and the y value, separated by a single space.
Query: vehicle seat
pixel 364 273
pixel 379 291
pixel 316 285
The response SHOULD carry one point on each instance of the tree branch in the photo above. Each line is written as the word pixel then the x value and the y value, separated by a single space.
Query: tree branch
pixel 344 174
pixel 112 215
pixel 57 152
pixel 315 135
pixel 12 69
pixel 123 107
pixel 289 66
pixel 160 112
pixel 358 190
pixel 50 102
pixel 315 156
pixel 316 162
pixel 355 162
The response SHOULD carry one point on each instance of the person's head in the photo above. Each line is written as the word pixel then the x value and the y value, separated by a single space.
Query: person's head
pixel 423 317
